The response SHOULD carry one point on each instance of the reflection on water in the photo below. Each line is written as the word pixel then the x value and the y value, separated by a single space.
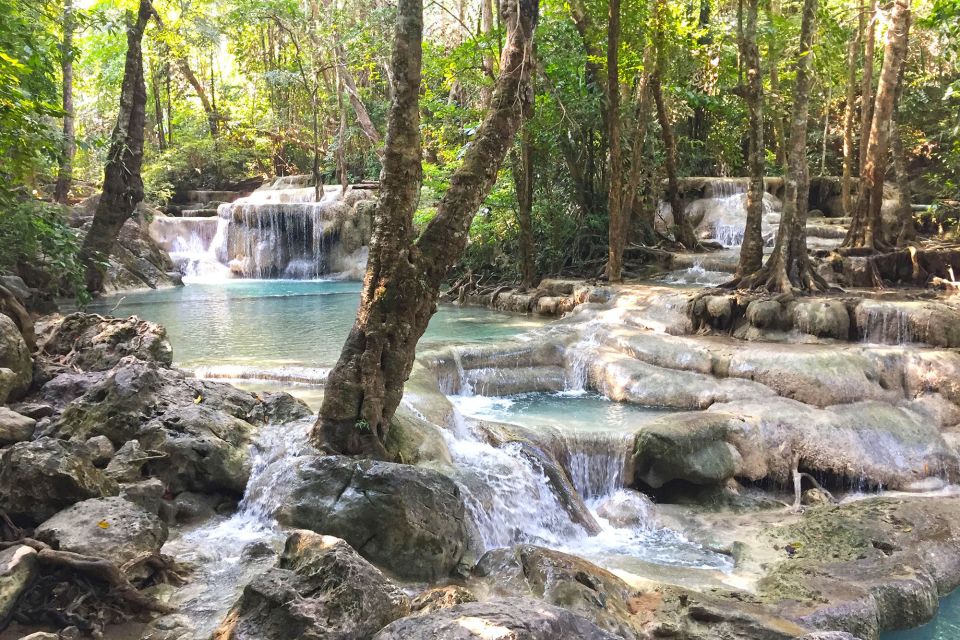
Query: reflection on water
pixel 271 323
pixel 946 626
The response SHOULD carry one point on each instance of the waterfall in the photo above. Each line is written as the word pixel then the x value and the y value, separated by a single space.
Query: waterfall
pixel 278 231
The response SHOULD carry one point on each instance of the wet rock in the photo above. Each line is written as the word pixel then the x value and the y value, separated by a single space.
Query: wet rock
pixel 15 427
pixel 829 635
pixel 43 635
pixel 114 529
pixel 441 598
pixel 320 588
pixel 628 509
pixel 192 507
pixel 564 580
pixel 40 477
pixel 904 321
pixel 508 618
pixel 821 318
pixel 101 450
pixel 16 365
pixel 18 567
pixel 406 519
pixel 281 407
pixel 766 314
pixel 691 447
pixel 91 342
pixel 200 430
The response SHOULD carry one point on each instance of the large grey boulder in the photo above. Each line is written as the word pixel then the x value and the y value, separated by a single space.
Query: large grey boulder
pixel 504 619
pixel 114 529
pixel 41 477
pixel 567 581
pixel 200 431
pixel 18 566
pixel 321 589
pixel 91 342
pixel 691 447
pixel 15 427
pixel 16 365
pixel 406 519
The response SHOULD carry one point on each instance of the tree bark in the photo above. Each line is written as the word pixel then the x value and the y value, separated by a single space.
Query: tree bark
pixel 849 113
pixel 69 148
pixel 751 250
pixel 616 229
pixel 866 87
pixel 780 125
pixel 523 179
pixel 866 230
pixel 907 231
pixel 403 278
pixel 122 184
pixel 788 267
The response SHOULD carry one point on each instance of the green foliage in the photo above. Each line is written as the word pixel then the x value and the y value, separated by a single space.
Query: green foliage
pixel 34 233
pixel 199 164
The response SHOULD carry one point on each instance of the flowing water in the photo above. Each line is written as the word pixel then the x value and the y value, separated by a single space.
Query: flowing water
pixel 286 334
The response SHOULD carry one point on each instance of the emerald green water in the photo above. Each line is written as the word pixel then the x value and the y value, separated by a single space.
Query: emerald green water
pixel 282 323
pixel 946 626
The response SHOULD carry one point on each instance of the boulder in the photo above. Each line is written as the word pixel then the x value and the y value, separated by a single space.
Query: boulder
pixel 15 427
pixel 101 450
pixel 114 529
pixel 18 567
pixel 627 508
pixel 148 494
pixel 199 430
pixel 566 581
pixel 821 318
pixel 409 520
pixel 41 477
pixel 16 365
pixel 320 588
pixel 502 619
pixel 441 598
pixel 689 446
pixel 91 342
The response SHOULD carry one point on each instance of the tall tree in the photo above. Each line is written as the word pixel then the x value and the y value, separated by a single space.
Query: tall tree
pixel 404 275
pixel 751 250
pixel 866 229
pixel 788 267
pixel 849 115
pixel 866 88
pixel 69 148
pixel 122 183
pixel 684 230
pixel 523 178
pixel 617 228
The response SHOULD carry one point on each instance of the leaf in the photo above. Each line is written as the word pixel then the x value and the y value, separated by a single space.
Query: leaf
pixel 103 524
pixel 198 399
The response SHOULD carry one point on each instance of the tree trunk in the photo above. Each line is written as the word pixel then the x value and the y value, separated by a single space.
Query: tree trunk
pixel 780 125
pixel 363 116
pixel 122 184
pixel 523 178
pixel 907 231
pixel 788 267
pixel 684 232
pixel 403 278
pixel 65 174
pixel 615 185
pixel 866 229
pixel 632 206
pixel 849 112
pixel 751 250
pixel 157 106
pixel 866 87
pixel 184 65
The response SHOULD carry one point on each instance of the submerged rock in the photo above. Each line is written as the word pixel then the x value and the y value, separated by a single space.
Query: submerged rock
pixel 41 477
pixel 114 529
pixel 320 588
pixel 503 619
pixel 406 519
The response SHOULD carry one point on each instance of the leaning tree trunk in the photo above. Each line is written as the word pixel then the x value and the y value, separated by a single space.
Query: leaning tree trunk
pixel 69 148
pixel 617 228
pixel 866 229
pixel 209 108
pixel 122 184
pixel 403 277
pixel 751 250
pixel 788 267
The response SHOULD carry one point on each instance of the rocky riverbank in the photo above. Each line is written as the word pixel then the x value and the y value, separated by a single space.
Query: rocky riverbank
pixel 107 452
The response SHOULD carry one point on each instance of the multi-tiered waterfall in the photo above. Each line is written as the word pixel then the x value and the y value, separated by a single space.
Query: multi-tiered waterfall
pixel 279 231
